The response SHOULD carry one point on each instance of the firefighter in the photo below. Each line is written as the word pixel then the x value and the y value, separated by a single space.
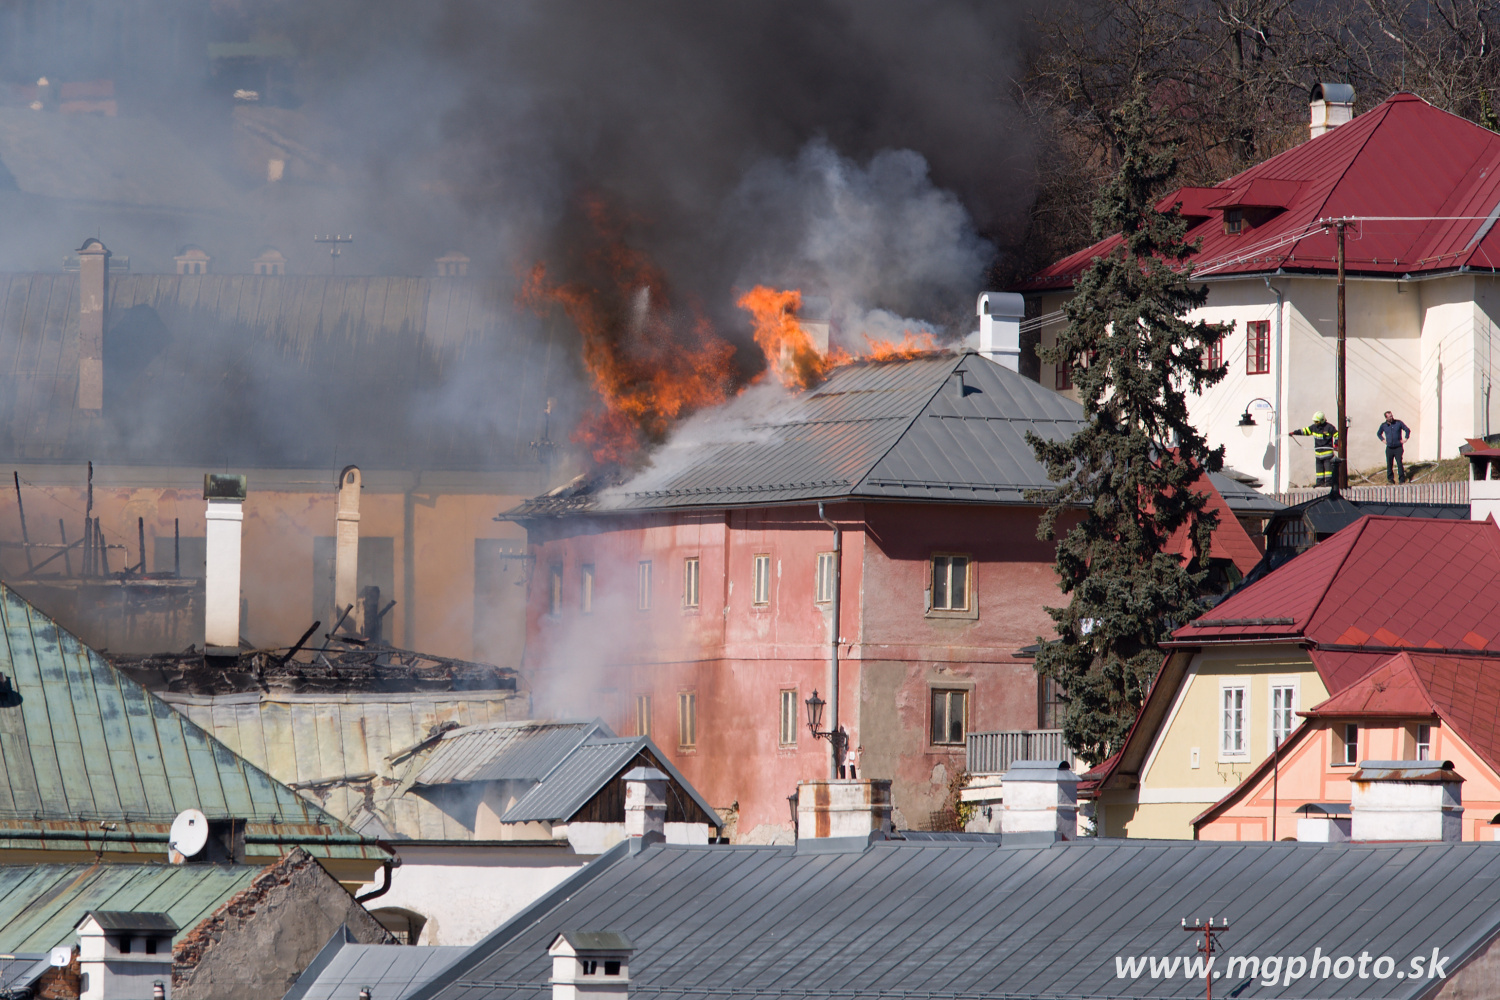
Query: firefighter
pixel 1325 446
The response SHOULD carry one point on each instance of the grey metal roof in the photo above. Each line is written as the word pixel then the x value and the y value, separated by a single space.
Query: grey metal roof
pixel 21 970
pixel 585 771
pixel 132 920
pixel 908 429
pixel 930 920
pixel 596 941
pixel 1243 498
pixel 510 751
pixel 344 967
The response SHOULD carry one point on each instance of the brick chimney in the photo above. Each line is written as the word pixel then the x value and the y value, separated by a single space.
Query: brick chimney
pixel 1000 327
pixel 1406 800
pixel 346 549
pixel 1041 801
pixel 590 964
pixel 645 802
pixel 221 583
pixel 93 304
pixel 1332 105
pixel 853 808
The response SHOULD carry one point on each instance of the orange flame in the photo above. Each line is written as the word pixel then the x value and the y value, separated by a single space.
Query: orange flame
pixel 912 345
pixel 790 353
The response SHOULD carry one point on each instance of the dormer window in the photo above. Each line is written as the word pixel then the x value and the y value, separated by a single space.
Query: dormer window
pixel 1234 221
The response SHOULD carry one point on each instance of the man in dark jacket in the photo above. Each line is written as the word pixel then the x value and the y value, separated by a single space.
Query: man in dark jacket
pixel 1325 447
pixel 1394 433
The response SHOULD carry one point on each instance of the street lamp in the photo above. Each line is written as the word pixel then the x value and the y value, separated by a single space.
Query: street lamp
pixel 839 738
pixel 1246 420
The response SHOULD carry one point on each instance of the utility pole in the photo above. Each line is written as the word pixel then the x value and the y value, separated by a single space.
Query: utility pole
pixel 1208 947
pixel 1341 475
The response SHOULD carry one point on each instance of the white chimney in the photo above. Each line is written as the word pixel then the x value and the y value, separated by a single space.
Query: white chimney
pixel 221 584
pixel 645 802
pixel 1000 327
pixel 1041 799
pixel 1406 800
pixel 123 954
pixel 346 550
pixel 1484 482
pixel 1332 105
pixel 588 964
pixel 843 808
pixel 93 303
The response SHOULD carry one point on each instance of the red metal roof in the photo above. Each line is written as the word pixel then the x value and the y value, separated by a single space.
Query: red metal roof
pixel 1379 583
pixel 1230 540
pixel 1433 179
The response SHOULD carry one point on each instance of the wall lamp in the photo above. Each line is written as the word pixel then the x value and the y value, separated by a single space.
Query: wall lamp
pixel 839 738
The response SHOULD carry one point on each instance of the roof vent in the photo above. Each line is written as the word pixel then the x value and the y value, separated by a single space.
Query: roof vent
pixel 192 260
pixel 592 964
pixel 1332 106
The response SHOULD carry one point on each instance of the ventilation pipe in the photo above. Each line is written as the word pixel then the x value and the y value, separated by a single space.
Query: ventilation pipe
pixel 1000 328
pixel 346 549
pixel 1332 105
pixel 93 299
pixel 221 585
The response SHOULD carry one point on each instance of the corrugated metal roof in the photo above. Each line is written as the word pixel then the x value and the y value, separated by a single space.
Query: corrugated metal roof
pixel 333 748
pixel 344 967
pixel 41 904
pixel 81 744
pixel 514 751
pixel 575 780
pixel 1434 177
pixel 191 360
pixel 934 920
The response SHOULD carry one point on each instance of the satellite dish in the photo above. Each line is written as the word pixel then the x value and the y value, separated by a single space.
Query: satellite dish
pixel 189 833
pixel 61 957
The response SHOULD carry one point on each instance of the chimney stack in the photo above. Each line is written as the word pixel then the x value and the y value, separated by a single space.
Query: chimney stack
pixel 645 802
pixel 346 549
pixel 590 964
pixel 122 954
pixel 1332 105
pixel 93 300
pixel 843 808
pixel 1406 800
pixel 1000 327
pixel 221 585
pixel 1041 801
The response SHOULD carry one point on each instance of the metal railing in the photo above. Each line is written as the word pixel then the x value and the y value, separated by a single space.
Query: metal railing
pixel 1403 493
pixel 992 753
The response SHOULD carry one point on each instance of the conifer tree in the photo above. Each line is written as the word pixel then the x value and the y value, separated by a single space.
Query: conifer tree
pixel 1127 474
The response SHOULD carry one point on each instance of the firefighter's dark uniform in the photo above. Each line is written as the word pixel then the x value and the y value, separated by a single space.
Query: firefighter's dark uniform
pixel 1325 448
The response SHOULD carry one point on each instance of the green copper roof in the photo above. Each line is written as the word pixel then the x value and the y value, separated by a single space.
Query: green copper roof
pixel 82 745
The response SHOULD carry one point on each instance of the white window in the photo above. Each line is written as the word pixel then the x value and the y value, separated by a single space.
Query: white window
pixel 760 590
pixel 788 736
pixel 949 715
pixel 687 718
pixel 1424 743
pixel 554 590
pixel 1283 707
pixel 643 585
pixel 643 715
pixel 1346 749
pixel 823 582
pixel 690 582
pixel 586 597
pixel 950 583
pixel 1232 722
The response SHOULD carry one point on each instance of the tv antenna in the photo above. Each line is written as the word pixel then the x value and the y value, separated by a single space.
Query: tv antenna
pixel 334 253
pixel 188 836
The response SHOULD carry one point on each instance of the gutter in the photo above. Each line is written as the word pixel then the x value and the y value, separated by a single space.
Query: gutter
pixel 833 638
pixel 1276 413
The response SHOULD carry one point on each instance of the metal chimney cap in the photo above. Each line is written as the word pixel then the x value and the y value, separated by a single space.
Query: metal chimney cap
pixel 645 774
pixel 1333 93
pixel 223 486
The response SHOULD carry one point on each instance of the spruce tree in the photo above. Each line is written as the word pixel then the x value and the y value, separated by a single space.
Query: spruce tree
pixel 1127 475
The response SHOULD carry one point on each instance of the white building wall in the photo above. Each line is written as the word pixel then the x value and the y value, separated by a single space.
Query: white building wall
pixel 1448 379
pixel 1486 367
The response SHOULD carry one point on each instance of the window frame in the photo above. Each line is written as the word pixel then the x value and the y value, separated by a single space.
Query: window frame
pixel 1258 347
pixel 1234 221
pixel 554 590
pixel 971 607
pixel 643 715
pixel 643 585
pixel 1422 748
pixel 787 721
pixel 1242 752
pixel 687 720
pixel 1213 353
pixel 760 580
pixel 823 574
pixel 1346 748
pixel 586 589
pixel 1283 684
pixel 691 580
pixel 947 694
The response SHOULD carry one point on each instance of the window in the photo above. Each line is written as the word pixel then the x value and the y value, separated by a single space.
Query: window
pixel 950 583
pixel 1234 221
pixel 151 946
pixel 1062 378
pixel 1258 347
pixel 1283 704
pixel 554 590
pixel 1050 707
pixel 760 591
pixel 949 716
pixel 690 582
pixel 687 718
pixel 1232 723
pixel 590 967
pixel 586 589
pixel 788 735
pixel 643 585
pixel 643 715
pixel 1424 743
pixel 611 966
pixel 823 581
pixel 1347 750
pixel 1213 353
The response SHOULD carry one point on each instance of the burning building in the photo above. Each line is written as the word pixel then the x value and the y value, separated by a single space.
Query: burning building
pixel 869 543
